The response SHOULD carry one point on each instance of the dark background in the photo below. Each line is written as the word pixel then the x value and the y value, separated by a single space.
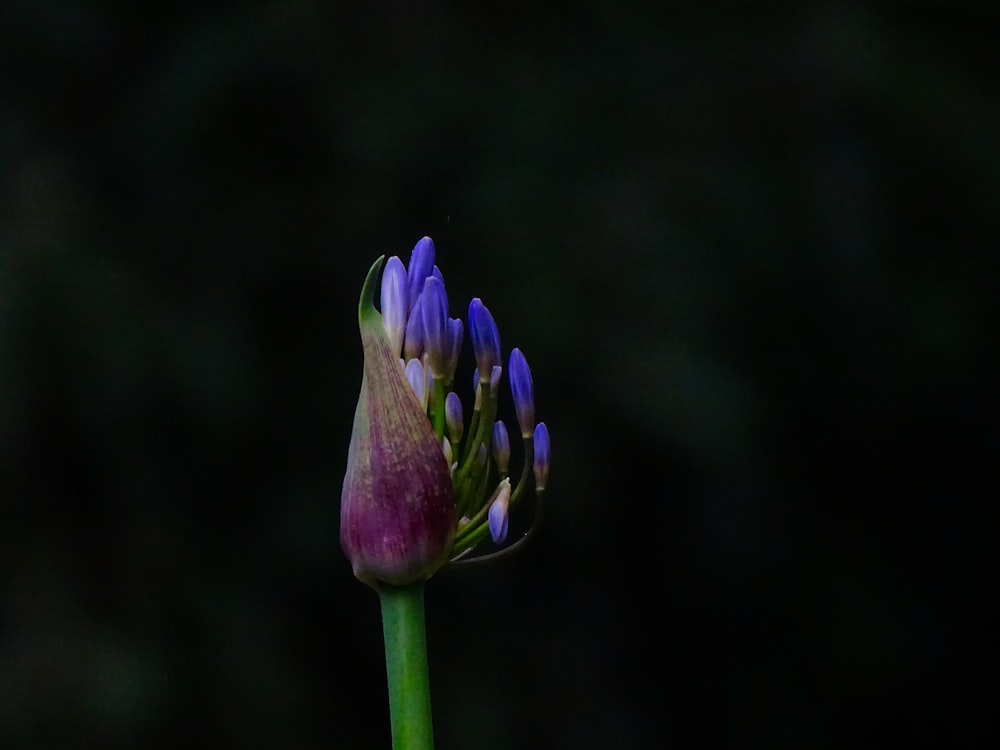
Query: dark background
pixel 749 251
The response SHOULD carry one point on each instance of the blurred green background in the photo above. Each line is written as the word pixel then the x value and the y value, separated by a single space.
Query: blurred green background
pixel 750 252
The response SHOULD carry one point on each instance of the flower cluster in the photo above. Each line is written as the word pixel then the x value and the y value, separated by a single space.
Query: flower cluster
pixel 424 486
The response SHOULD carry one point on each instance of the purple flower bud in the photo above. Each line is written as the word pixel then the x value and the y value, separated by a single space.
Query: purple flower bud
pixel 485 337
pixel 501 447
pixel 497 517
pixel 495 379
pixel 397 512
pixel 395 307
pixel 449 455
pixel 455 331
pixel 416 376
pixel 521 388
pixel 541 456
pixel 420 267
pixel 437 343
pixel 453 416
pixel 475 389
pixel 413 343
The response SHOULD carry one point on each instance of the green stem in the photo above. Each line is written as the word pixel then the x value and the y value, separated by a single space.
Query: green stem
pixel 406 666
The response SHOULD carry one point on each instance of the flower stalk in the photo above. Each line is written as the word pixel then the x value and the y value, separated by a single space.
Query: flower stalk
pixel 403 631
pixel 423 491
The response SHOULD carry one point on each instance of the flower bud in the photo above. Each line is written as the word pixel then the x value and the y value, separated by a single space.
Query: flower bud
pixel 397 514
pixel 394 303
pixel 453 416
pixel 485 337
pixel 413 342
pixel 416 376
pixel 542 450
pixel 497 517
pixel 421 266
pixel 455 331
pixel 495 376
pixel 522 390
pixel 437 331
pixel 501 447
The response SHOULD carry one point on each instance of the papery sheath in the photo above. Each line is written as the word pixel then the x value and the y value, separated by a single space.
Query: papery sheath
pixel 397 505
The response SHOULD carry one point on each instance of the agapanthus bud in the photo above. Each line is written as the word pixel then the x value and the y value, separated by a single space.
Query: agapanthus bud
pixel 475 389
pixel 437 342
pixel 485 337
pixel 453 416
pixel 455 331
pixel 522 390
pixel 394 302
pixel 414 466
pixel 421 266
pixel 481 457
pixel 416 376
pixel 497 517
pixel 495 376
pixel 542 449
pixel 398 514
pixel 413 342
pixel 501 447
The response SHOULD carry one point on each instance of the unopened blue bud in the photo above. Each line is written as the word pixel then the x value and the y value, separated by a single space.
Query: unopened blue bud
pixel 420 267
pixel 395 306
pixel 475 389
pixel 498 517
pixel 413 343
pixel 522 390
pixel 501 447
pixel 455 330
pixel 542 449
pixel 485 337
pixel 437 342
pixel 416 376
pixel 449 454
pixel 453 416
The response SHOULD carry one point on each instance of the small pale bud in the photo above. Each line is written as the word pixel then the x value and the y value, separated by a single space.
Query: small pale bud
pixel 501 447
pixel 416 376
pixel 453 416
pixel 395 305
pixel 495 375
pixel 413 342
pixel 456 329
pixel 542 450
pixel 497 517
